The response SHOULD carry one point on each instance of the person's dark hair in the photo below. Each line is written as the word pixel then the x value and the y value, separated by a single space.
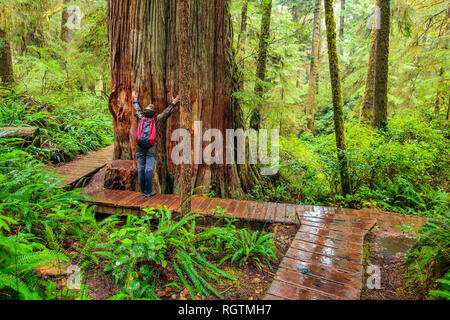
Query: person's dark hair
pixel 149 111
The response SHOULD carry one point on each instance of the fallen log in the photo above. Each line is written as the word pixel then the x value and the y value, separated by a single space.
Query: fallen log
pixel 30 135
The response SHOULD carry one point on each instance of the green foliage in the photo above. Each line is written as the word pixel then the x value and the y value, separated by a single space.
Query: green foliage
pixel 140 250
pixel 19 256
pixel 395 170
pixel 27 190
pixel 251 246
pixel 444 293
pixel 428 259
pixel 66 131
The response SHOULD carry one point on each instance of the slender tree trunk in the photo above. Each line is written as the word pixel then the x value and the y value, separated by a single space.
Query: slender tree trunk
pixel 184 49
pixel 311 102
pixel 144 56
pixel 319 58
pixel 242 39
pixel 366 115
pixel 341 28
pixel 6 67
pixel 255 121
pixel 338 101
pixel 382 66
pixel 66 33
pixel 441 98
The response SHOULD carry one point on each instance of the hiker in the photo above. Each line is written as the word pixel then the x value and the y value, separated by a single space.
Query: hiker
pixel 147 134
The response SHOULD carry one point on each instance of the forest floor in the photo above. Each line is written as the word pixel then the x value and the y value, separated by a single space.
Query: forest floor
pixel 252 283
pixel 387 251
pixel 385 247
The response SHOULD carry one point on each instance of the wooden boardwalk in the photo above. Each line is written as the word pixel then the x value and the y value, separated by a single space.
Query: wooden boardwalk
pixel 325 261
pixel 84 167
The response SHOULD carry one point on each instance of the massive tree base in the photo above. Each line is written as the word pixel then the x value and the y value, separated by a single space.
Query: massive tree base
pixel 144 57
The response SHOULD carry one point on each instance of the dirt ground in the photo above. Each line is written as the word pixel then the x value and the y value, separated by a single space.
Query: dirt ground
pixel 387 251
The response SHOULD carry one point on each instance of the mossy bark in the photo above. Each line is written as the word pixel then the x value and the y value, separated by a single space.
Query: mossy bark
pixel 366 115
pixel 442 98
pixel 66 33
pixel 341 28
pixel 382 66
pixel 312 89
pixel 338 100
pixel 261 67
pixel 6 67
pixel 242 39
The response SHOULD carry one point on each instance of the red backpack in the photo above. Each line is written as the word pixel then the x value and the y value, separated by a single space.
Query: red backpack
pixel 146 133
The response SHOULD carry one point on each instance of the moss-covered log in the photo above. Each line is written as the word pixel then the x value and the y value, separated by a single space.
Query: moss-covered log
pixel 30 135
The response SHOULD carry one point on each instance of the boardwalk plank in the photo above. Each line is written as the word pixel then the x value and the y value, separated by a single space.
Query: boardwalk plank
pixel 290 292
pixel 317 284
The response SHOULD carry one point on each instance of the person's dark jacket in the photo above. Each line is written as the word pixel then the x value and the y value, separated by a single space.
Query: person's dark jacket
pixel 160 121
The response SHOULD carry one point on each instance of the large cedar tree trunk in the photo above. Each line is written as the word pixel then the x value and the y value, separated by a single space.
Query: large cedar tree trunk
pixel 144 56
pixel 338 100
pixel 261 67
pixel 6 68
pixel 382 66
pixel 311 102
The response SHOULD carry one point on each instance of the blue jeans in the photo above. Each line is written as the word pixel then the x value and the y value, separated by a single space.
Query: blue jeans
pixel 146 166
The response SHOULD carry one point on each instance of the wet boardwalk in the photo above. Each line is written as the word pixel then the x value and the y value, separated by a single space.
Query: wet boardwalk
pixel 84 167
pixel 325 261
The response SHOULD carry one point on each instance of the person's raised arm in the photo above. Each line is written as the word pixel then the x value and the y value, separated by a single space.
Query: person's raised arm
pixel 169 110
pixel 137 108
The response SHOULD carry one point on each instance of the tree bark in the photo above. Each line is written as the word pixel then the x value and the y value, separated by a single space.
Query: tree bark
pixel 66 33
pixel 338 101
pixel 185 58
pixel 366 115
pixel 6 67
pixel 341 28
pixel 312 90
pixel 382 66
pixel 441 98
pixel 144 56
pixel 242 39
pixel 261 67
